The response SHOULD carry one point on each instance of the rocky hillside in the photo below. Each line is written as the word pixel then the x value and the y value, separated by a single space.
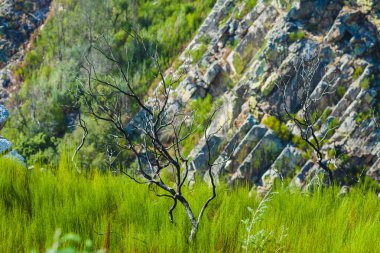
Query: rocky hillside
pixel 18 21
pixel 243 56
pixel 241 53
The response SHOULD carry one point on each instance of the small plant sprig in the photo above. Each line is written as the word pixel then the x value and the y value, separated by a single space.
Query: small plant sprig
pixel 70 243
pixel 259 239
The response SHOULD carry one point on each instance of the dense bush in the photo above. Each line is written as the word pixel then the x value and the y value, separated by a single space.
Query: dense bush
pixel 278 127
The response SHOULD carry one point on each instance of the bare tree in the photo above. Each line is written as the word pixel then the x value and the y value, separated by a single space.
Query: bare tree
pixel 300 92
pixel 154 136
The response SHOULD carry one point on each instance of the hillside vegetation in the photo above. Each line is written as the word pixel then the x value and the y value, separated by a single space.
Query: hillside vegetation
pixel 42 112
pixel 35 204
pixel 278 103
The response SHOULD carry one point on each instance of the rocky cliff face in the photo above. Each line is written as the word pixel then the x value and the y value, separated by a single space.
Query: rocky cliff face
pixel 240 54
pixel 18 21
pixel 248 50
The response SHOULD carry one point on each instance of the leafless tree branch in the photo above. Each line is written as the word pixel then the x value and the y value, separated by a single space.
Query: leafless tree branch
pixel 146 134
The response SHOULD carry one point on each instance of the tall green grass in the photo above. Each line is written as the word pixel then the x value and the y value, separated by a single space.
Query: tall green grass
pixel 33 204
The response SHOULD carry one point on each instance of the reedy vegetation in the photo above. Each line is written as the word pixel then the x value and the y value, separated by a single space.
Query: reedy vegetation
pixel 35 204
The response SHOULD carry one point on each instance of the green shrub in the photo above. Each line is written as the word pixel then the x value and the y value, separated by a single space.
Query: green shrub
pixel 362 116
pixel 120 38
pixel 358 72
pixel 296 36
pixel 278 127
pixel 205 39
pixel 238 63
pixel 325 114
pixel 366 82
pixel 39 149
pixel 300 143
pixel 197 53
pixel 331 153
pixel 248 5
pixel 340 91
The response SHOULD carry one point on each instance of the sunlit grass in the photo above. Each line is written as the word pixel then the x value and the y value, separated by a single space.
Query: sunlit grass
pixel 34 204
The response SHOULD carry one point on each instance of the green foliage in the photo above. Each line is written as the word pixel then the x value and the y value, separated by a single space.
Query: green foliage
pixel 232 43
pixel 202 108
pixel 286 3
pixel 283 132
pixel 120 38
pixel 370 184
pixel 205 39
pixel 238 63
pixel 325 114
pixel 340 91
pixel 266 90
pixel 224 20
pixel 278 127
pixel 362 116
pixel 34 204
pixel 40 148
pixel 52 67
pixel 197 53
pixel 227 81
pixel 358 72
pixel 248 5
pixel 331 153
pixel 366 82
pixel 296 36
pixel 334 123
pixel 259 240
pixel 300 143
pixel 70 243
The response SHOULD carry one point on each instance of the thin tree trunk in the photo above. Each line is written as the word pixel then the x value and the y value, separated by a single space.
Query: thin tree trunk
pixel 190 214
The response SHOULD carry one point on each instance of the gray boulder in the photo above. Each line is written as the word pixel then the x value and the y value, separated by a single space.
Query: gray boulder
pixel 15 156
pixel 212 72
pixel 4 114
pixel 5 146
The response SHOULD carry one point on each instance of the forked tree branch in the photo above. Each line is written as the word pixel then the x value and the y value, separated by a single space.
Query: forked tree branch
pixel 102 98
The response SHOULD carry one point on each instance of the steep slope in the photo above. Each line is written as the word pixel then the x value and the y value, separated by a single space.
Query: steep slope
pixel 42 115
pixel 238 58
pixel 239 55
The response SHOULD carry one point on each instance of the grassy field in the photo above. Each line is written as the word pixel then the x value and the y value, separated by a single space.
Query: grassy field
pixel 33 205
